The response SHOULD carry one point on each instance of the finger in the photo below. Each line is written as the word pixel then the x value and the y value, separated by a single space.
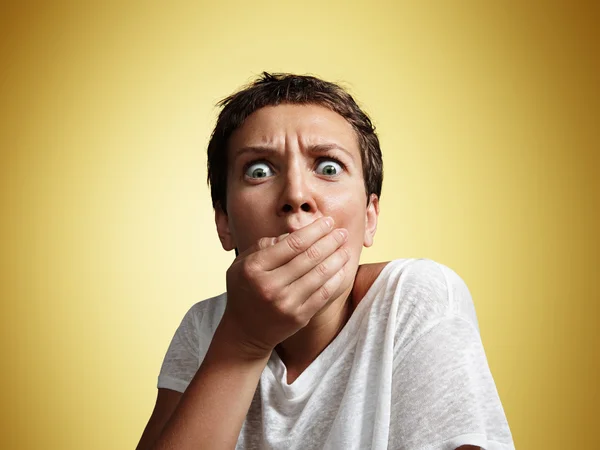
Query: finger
pixel 314 255
pixel 261 244
pixel 280 237
pixel 322 296
pixel 315 282
pixel 294 244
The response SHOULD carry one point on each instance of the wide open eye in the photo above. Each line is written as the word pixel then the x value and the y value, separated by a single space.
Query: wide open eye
pixel 258 170
pixel 329 167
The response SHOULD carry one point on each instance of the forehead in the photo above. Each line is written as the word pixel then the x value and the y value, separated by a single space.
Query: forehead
pixel 307 124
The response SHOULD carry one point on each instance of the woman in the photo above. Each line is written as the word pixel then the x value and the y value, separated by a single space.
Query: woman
pixel 307 349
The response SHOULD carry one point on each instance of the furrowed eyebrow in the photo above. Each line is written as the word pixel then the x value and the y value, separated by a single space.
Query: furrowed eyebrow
pixel 264 150
pixel 253 149
pixel 322 148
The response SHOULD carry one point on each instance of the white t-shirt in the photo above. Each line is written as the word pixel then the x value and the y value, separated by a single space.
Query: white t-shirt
pixel 407 371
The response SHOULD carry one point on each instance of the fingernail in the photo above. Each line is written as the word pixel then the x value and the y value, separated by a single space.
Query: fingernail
pixel 329 221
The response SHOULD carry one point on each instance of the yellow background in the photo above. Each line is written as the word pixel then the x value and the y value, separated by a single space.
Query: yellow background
pixel 488 115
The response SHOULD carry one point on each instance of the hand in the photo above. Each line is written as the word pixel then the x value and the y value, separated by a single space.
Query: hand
pixel 275 287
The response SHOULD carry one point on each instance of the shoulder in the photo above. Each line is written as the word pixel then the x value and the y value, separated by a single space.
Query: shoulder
pixel 205 314
pixel 436 280
pixel 425 287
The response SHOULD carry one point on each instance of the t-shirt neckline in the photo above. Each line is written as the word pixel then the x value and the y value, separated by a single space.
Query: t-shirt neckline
pixel 301 386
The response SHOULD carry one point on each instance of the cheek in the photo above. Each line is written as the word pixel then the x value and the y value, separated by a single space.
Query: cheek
pixel 350 214
pixel 340 199
pixel 249 217
pixel 347 202
pixel 249 202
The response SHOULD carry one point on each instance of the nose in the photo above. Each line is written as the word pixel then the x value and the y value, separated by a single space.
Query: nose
pixel 296 193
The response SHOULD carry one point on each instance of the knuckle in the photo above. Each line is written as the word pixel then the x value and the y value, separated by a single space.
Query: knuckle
pixel 299 321
pixel 295 242
pixel 283 310
pixel 250 267
pixel 324 292
pixel 264 242
pixel 313 253
pixel 267 292
pixel 289 316
pixel 322 269
pixel 293 317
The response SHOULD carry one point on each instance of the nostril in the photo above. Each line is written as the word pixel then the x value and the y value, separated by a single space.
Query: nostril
pixel 288 208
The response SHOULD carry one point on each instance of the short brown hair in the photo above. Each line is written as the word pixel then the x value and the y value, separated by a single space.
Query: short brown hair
pixel 277 88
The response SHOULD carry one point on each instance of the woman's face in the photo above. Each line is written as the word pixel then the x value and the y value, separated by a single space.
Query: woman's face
pixel 288 166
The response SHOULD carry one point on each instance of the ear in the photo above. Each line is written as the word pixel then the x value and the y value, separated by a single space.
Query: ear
pixel 223 230
pixel 371 216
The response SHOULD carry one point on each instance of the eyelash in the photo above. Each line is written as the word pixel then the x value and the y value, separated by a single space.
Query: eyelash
pixel 318 160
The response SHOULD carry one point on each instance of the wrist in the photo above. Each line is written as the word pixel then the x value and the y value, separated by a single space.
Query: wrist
pixel 230 341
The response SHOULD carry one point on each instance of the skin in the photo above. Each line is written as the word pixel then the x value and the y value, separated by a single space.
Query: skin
pixel 296 193
pixel 287 185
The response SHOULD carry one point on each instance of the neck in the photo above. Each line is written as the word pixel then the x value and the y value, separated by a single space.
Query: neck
pixel 299 350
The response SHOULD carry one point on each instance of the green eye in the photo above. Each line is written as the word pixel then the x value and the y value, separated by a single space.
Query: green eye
pixel 258 170
pixel 329 168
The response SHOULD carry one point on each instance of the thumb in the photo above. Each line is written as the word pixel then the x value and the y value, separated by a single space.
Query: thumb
pixel 280 238
pixel 261 244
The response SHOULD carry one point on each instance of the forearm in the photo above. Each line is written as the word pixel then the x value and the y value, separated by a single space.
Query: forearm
pixel 212 410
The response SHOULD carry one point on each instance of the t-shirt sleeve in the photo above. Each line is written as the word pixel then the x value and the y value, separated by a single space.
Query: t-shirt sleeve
pixel 443 392
pixel 182 358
